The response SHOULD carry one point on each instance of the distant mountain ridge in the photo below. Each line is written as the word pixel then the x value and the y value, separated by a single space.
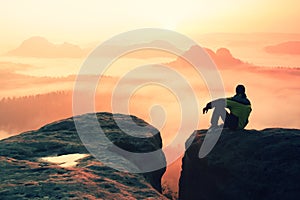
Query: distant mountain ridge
pixel 40 47
pixel 222 58
pixel 287 48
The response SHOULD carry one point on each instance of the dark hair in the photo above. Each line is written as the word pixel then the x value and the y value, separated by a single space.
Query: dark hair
pixel 240 89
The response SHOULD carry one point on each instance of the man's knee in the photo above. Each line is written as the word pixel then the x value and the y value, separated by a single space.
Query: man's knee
pixel 219 104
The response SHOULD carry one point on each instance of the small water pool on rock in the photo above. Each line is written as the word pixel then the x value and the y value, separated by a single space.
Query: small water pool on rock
pixel 68 160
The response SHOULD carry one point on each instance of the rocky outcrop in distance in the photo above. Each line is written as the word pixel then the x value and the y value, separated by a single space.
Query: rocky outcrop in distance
pixel 244 164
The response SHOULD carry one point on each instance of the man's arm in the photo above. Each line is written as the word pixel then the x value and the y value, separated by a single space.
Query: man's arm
pixel 216 103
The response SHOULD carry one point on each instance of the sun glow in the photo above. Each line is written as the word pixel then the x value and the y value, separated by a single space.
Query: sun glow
pixel 94 20
pixel 169 24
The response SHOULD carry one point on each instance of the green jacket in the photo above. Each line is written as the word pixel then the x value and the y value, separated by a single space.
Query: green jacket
pixel 239 106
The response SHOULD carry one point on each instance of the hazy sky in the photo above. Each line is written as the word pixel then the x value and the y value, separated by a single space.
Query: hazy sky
pixel 88 22
pixel 91 20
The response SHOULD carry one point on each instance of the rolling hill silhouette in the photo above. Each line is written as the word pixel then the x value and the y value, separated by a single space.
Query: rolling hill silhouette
pixel 290 47
pixel 41 48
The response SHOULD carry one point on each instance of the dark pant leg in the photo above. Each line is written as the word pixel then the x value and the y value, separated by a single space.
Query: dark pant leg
pixel 231 121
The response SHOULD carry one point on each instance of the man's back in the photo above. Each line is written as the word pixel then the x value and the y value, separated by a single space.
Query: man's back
pixel 240 107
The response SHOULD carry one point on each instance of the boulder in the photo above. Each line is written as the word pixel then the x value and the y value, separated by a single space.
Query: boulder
pixel 244 164
pixel 25 175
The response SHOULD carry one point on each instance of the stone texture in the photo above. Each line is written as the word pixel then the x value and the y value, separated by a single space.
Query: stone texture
pixel 24 176
pixel 244 164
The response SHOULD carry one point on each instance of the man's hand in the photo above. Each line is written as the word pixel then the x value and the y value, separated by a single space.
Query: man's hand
pixel 205 109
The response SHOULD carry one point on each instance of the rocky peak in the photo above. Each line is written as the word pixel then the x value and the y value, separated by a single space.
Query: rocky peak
pixel 25 173
pixel 244 164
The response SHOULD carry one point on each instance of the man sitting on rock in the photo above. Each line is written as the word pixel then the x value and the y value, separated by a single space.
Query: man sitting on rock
pixel 239 106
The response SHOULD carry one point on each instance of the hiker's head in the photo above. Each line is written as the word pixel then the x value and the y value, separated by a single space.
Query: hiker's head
pixel 240 89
